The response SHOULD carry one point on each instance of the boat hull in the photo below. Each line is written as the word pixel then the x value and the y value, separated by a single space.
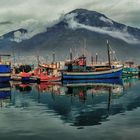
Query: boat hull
pixel 5 73
pixel 129 72
pixel 24 79
pixel 29 79
pixel 113 73
pixel 50 79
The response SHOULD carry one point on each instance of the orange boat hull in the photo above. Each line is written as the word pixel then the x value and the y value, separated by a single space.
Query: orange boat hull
pixel 50 79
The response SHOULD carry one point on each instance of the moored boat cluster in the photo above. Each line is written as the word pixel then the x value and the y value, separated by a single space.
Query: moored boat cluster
pixel 73 69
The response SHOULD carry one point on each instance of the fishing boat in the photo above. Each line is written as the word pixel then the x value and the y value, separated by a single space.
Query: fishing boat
pixel 129 72
pixel 47 73
pixel 24 77
pixel 112 73
pixel 23 74
pixel 5 69
pixel 78 69
pixel 130 69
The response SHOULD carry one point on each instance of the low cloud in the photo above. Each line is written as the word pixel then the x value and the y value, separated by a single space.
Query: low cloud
pixel 119 34
pixel 44 11
pixel 5 22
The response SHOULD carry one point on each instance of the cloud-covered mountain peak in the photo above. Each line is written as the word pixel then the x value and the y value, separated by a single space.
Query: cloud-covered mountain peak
pixel 99 23
pixel 82 19
pixel 91 18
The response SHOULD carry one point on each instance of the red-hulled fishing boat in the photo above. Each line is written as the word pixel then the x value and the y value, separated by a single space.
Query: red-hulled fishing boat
pixel 23 73
pixel 46 73
pixel 24 77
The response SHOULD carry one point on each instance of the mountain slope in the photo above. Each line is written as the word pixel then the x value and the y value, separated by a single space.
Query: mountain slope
pixel 71 31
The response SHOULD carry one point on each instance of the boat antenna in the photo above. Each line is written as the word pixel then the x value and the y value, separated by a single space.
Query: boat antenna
pixel 108 53
pixel 85 46
pixel 96 58
pixel 38 60
pixel 53 55
pixel 92 59
pixel 14 59
pixel 46 58
pixel 70 54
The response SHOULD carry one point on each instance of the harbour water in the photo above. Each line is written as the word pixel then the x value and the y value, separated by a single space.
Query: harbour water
pixel 78 111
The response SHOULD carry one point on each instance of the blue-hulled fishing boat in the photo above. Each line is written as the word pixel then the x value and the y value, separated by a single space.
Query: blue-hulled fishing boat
pixel 5 70
pixel 78 69
pixel 112 73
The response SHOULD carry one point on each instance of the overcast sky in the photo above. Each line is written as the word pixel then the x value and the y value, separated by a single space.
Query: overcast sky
pixel 37 13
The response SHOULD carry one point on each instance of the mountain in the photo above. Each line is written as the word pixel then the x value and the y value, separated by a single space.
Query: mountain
pixel 73 30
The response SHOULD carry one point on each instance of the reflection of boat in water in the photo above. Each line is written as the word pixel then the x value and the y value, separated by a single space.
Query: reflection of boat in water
pixel 93 86
pixel 108 81
pixel 79 105
pixel 22 87
pixel 85 103
pixel 130 82
pixel 96 86
pixel 5 93
pixel 5 90
pixel 49 87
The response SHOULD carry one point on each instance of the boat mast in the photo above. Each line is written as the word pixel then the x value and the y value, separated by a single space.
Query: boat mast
pixel 96 58
pixel 70 54
pixel 14 59
pixel 70 64
pixel 38 60
pixel 53 56
pixel 85 46
pixel 92 60
pixel 108 53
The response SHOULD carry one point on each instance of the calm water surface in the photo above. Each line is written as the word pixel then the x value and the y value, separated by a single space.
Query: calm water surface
pixel 102 110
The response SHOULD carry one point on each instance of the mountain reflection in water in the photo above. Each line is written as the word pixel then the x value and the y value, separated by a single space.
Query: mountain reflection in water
pixel 80 104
